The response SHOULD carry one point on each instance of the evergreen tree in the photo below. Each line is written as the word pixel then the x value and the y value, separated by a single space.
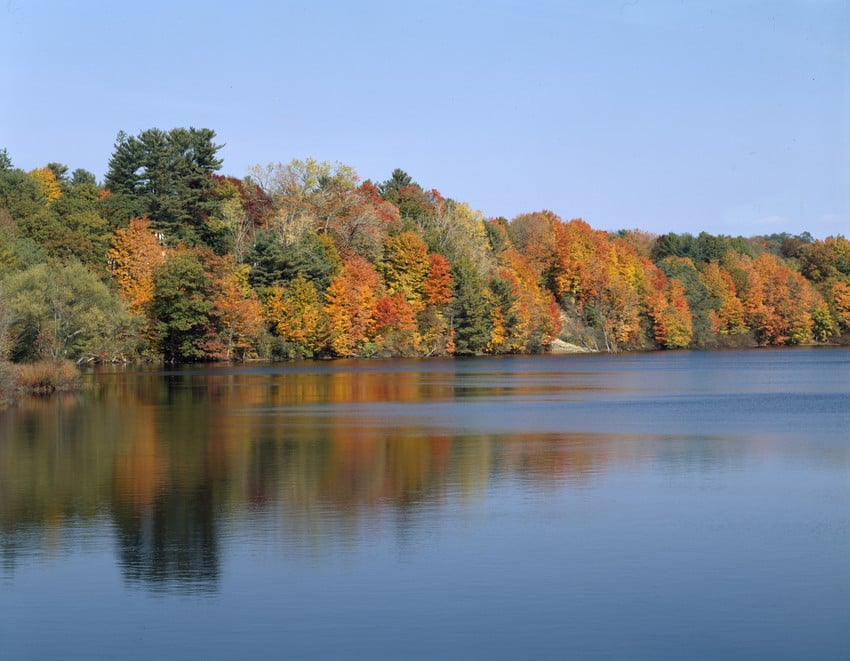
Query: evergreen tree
pixel 273 262
pixel 470 319
pixel 398 179
pixel 181 308
pixel 166 176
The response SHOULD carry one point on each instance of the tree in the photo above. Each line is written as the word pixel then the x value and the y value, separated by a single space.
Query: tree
pixel 395 325
pixel 48 184
pixel 350 305
pixel 180 308
pixel 16 252
pixel 538 315
pixel 63 311
pixel 273 262
pixel 80 229
pixel 324 198
pixel 167 176
pixel 134 256
pixel 668 309
pixel 825 261
pixel 674 245
pixel 82 177
pixel 603 279
pixel 435 333
pixel 237 310
pixel 437 288
pixel 469 315
pixel 399 179
pixel 508 328
pixel 726 309
pixel 405 265
pixel 240 211
pixel 534 236
pixel 294 313
pixel 456 230
pixel 696 293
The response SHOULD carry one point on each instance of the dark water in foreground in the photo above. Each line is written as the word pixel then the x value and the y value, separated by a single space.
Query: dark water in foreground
pixel 658 506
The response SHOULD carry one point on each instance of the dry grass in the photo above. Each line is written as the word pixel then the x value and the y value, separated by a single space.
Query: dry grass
pixel 7 381
pixel 45 377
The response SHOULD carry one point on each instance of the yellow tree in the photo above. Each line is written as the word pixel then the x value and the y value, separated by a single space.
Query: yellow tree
pixel 841 297
pixel 603 278
pixel 47 184
pixel 535 236
pixel 434 329
pixel 668 309
pixel 508 324
pixel 350 306
pixel 406 265
pixel 294 313
pixel 535 307
pixel 133 257
pixel 238 310
pixel 727 313
pixel 789 299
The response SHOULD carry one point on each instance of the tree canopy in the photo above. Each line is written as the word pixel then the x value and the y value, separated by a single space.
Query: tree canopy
pixel 169 258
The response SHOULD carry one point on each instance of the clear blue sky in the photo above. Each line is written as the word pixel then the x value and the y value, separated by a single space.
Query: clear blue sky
pixel 731 117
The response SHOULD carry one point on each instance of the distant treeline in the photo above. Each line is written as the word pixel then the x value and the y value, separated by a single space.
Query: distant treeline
pixel 167 258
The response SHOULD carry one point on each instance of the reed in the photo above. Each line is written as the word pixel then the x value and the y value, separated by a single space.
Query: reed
pixel 7 381
pixel 45 377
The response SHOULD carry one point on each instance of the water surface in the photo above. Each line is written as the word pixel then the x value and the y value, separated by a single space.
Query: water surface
pixel 665 505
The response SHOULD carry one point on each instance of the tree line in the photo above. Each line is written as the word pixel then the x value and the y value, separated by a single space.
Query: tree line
pixel 170 259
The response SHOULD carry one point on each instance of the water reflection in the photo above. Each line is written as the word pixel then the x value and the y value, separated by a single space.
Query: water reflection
pixel 172 543
pixel 322 455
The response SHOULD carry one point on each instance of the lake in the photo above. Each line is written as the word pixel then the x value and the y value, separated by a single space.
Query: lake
pixel 678 505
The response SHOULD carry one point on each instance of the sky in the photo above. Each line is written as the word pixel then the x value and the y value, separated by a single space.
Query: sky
pixel 725 116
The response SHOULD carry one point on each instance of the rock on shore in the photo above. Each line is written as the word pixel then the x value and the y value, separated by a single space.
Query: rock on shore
pixel 559 346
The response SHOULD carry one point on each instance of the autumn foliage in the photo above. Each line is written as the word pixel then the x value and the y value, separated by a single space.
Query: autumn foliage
pixel 305 260
pixel 135 253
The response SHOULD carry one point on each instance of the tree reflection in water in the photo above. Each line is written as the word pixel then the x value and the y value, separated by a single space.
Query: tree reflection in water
pixel 326 451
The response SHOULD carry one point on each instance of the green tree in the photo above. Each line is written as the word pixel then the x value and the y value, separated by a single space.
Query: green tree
pixel 391 188
pixel 181 309
pixel 469 313
pixel 273 262
pixel 168 177
pixel 697 294
pixel 674 245
pixel 81 176
pixel 506 332
pixel 63 311
pixel 16 252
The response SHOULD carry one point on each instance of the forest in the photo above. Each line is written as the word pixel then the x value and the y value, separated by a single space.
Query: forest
pixel 170 259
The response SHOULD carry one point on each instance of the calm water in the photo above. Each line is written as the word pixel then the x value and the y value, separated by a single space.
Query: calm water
pixel 658 506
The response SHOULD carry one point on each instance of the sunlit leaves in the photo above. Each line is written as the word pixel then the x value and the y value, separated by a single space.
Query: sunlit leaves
pixel 841 296
pixel 135 253
pixel 406 265
pixel 727 311
pixel 294 313
pixel 48 185
pixel 350 305
pixel 237 310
